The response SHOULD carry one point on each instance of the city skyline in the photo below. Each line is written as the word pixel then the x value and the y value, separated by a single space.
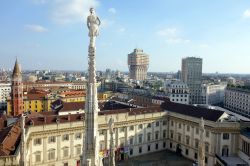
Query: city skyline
pixel 48 34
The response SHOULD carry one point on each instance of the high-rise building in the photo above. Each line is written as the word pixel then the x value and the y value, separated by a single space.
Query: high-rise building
pixel 191 71
pixel 138 63
pixel 17 91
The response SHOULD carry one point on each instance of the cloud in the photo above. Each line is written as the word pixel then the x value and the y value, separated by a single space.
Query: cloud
pixel 112 10
pixel 175 40
pixel 106 23
pixel 172 36
pixel 71 11
pixel 122 29
pixel 35 28
pixel 167 32
pixel 246 13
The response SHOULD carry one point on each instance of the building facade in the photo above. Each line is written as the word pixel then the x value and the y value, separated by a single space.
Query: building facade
pixel 213 94
pixel 191 74
pixel 57 140
pixel 5 90
pixel 177 91
pixel 138 63
pixel 39 100
pixel 237 99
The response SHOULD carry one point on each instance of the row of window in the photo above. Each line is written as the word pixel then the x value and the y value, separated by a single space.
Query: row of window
pixel 51 154
pixel 149 148
pixel 52 139
pixel 140 126
pixel 149 137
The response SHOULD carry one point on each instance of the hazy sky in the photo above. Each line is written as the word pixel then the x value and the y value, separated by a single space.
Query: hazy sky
pixel 52 34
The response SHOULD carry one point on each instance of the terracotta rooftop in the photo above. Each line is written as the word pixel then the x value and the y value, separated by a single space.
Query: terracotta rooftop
pixel 9 139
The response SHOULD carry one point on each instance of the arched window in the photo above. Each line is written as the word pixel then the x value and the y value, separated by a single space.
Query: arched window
pixel 225 150
pixel 51 154
pixel 65 151
pixel 78 149
pixel 38 157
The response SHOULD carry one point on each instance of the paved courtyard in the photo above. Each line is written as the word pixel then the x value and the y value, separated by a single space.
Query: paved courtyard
pixel 163 158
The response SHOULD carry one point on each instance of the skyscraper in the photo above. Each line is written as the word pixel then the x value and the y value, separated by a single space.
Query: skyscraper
pixel 191 74
pixel 138 63
pixel 17 91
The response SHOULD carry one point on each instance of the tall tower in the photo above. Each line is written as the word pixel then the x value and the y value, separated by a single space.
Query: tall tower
pixel 191 74
pixel 91 143
pixel 17 91
pixel 138 63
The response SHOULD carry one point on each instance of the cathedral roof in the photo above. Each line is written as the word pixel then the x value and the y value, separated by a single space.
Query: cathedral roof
pixel 17 69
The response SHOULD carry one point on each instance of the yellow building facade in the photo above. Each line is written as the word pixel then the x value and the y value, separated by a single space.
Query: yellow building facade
pixel 38 102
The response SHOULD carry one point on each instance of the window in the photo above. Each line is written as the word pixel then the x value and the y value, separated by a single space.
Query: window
pixel 172 123
pixel 187 140
pixel 140 138
pixel 186 152
pixel 65 164
pixel 225 151
pixel 157 124
pixel 149 125
pixel 140 149
pixel 197 130
pixel 102 132
pixel 131 128
pixel 51 154
pixel 148 148
pixel 65 152
pixel 131 140
pixel 37 156
pixel 164 145
pixel 207 133
pixel 225 136
pixel 121 129
pixel 78 149
pixel 188 128
pixel 156 146
pixel 206 147
pixel 179 137
pixel 196 143
pixel 164 133
pixel 65 137
pixel 149 136
pixel 195 155
pixel 140 126
pixel 164 123
pixel 171 134
pixel 157 135
pixel 78 135
pixel 206 160
pixel 37 141
pixel 170 145
pixel 179 125
pixel 131 151
pixel 52 139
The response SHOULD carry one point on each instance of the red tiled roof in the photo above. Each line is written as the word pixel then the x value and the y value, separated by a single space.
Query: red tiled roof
pixel 9 139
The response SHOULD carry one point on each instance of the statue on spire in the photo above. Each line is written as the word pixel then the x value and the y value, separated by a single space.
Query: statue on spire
pixel 93 23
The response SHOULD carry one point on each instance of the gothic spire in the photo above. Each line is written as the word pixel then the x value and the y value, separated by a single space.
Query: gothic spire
pixel 17 69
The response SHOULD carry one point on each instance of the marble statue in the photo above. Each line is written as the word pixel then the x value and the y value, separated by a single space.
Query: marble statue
pixel 112 148
pixel 93 23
